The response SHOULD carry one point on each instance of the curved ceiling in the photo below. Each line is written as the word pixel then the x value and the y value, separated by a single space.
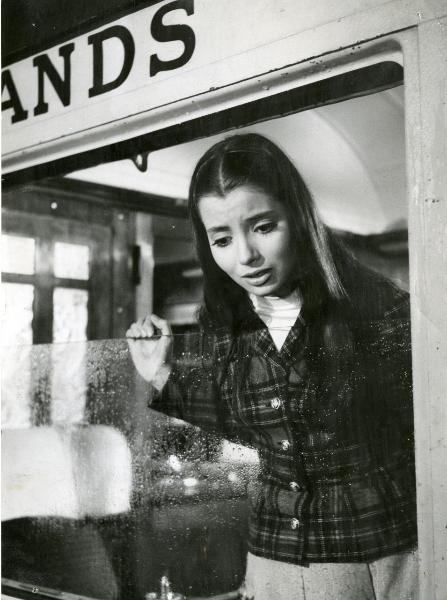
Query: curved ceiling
pixel 351 155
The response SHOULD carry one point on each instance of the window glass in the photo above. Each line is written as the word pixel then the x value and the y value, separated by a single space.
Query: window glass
pixel 18 314
pixel 71 261
pixel 18 254
pixel 117 494
pixel 68 385
pixel 70 314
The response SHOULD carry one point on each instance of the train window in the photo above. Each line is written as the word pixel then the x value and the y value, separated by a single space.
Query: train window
pixel 70 314
pixel 54 254
pixel 125 498
pixel 18 253
pixel 71 260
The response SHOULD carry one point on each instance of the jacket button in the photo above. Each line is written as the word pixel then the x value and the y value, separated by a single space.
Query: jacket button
pixel 294 486
pixel 294 523
pixel 285 444
pixel 275 403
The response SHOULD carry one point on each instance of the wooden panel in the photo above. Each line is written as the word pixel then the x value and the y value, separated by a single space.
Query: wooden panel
pixel 123 286
pixel 101 276
pixel 82 200
pixel 43 291
pixel 51 198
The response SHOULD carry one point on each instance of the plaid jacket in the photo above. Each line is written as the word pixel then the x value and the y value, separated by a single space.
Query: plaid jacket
pixel 332 422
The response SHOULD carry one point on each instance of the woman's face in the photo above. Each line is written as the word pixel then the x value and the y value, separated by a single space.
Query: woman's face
pixel 250 240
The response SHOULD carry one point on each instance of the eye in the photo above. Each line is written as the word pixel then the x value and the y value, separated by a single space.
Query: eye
pixel 222 242
pixel 266 227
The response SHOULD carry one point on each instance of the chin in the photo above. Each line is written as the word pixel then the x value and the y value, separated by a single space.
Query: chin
pixel 265 290
pixel 273 290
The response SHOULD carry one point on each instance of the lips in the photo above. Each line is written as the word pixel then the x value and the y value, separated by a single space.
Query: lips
pixel 259 277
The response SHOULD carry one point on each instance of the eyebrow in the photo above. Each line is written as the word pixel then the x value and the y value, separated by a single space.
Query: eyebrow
pixel 218 228
pixel 256 217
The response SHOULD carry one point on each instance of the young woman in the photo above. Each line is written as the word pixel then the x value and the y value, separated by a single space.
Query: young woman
pixel 304 354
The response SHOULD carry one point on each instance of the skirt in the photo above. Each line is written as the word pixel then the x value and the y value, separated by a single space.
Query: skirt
pixel 394 577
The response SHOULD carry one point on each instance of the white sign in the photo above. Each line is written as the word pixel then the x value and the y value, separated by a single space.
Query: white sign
pixel 95 89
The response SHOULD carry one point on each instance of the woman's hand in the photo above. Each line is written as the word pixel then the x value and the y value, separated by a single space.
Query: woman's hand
pixel 151 356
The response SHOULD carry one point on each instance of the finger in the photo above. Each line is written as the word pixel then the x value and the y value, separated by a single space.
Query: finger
pixel 136 328
pixel 136 331
pixel 147 327
pixel 162 324
pixel 140 322
pixel 142 328
pixel 132 328
pixel 131 331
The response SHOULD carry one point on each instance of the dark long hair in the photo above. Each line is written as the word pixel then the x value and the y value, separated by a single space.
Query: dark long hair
pixel 251 159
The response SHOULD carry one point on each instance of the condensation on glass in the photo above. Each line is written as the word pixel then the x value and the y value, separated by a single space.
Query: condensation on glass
pixel 103 496
pixel 17 315
pixel 70 314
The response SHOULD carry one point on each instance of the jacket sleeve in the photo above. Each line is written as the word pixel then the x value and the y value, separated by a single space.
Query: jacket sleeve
pixel 391 372
pixel 191 392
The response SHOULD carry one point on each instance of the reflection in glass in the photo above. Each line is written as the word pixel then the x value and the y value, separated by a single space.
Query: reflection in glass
pixel 68 385
pixel 70 315
pixel 16 392
pixel 71 261
pixel 117 494
pixel 18 314
pixel 17 254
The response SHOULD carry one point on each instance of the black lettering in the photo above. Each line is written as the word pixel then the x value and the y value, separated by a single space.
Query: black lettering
pixel 14 99
pixel 97 40
pixel 169 33
pixel 61 85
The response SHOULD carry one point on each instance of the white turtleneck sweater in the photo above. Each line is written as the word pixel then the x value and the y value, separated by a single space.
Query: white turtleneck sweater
pixel 279 314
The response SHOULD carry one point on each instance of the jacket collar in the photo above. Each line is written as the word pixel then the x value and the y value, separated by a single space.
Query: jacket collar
pixel 255 338
pixel 257 341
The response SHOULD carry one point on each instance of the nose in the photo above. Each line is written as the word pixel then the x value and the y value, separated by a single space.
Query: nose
pixel 247 251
